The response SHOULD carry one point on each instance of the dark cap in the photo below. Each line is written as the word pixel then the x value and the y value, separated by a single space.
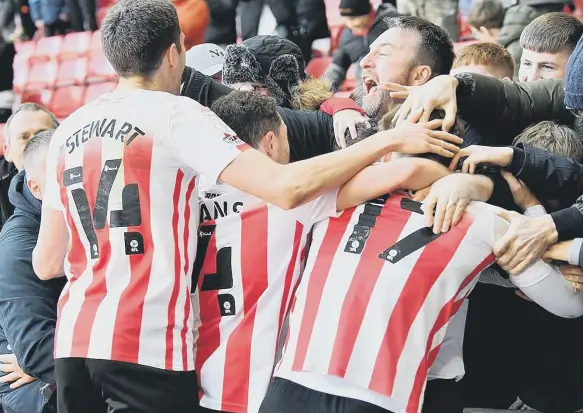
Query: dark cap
pixel 354 8
pixel 272 60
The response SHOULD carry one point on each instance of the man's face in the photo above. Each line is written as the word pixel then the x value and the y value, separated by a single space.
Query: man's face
pixel 535 66
pixel 359 25
pixel 390 59
pixel 479 69
pixel 23 126
pixel 258 88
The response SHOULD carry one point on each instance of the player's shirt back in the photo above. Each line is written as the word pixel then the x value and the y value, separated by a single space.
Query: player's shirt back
pixel 252 261
pixel 122 169
pixel 376 297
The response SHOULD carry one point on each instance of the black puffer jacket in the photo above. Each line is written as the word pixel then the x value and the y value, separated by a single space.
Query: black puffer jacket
pixel 221 29
pixel 353 48
pixel 7 172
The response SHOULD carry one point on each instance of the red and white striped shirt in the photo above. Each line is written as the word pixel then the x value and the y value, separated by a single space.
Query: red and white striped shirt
pixel 122 170
pixel 253 257
pixel 375 300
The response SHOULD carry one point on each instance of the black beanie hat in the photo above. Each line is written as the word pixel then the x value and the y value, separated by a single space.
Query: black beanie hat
pixel 272 60
pixel 354 8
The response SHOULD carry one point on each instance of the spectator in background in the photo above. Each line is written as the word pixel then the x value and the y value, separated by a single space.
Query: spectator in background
pixel 7 53
pixel 50 15
pixel 28 306
pixel 208 59
pixel 547 44
pixel 193 16
pixel 363 26
pixel 27 120
pixel 486 58
pixel 82 15
pixel 491 23
pixel 273 66
pixel 443 13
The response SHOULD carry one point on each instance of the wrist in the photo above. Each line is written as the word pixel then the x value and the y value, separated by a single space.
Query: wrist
pixel 506 156
pixel 549 231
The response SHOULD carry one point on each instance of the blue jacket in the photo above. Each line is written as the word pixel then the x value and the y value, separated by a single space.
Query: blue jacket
pixel 28 306
pixel 47 10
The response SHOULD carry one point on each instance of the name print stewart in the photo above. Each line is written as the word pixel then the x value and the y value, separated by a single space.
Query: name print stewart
pixel 113 128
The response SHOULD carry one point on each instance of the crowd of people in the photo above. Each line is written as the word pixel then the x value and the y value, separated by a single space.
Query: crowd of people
pixel 224 233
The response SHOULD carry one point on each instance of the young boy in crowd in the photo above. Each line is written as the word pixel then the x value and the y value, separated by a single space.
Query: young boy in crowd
pixel 490 22
pixel 547 43
pixel 487 59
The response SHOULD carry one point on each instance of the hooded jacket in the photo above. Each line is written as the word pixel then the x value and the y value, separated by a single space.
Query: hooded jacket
pixel 28 306
pixel 353 48
pixel 516 19
pixel 7 172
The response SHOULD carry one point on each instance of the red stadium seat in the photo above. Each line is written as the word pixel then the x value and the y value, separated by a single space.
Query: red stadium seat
pixel 47 48
pixel 42 75
pixel 24 50
pixel 95 45
pixel 76 45
pixel 101 12
pixel 72 72
pixel 95 90
pixel 21 70
pixel 42 97
pixel 67 100
pixel 100 69
pixel 317 66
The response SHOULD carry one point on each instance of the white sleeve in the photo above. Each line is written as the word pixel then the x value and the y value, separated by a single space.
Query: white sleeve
pixel 546 286
pixel 325 206
pixel 200 140
pixel 52 194
pixel 535 211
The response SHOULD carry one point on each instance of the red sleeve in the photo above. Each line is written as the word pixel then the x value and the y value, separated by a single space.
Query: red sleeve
pixel 334 105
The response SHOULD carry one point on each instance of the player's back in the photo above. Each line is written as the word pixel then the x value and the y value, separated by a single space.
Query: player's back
pixel 376 298
pixel 132 213
pixel 252 260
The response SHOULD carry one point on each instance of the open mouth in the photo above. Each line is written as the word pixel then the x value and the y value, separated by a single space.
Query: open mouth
pixel 370 85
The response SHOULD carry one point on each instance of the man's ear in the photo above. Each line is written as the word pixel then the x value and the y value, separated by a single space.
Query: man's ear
pixel 419 75
pixel 268 144
pixel 6 149
pixel 34 188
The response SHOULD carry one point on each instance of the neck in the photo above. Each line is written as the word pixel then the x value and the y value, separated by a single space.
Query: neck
pixel 130 84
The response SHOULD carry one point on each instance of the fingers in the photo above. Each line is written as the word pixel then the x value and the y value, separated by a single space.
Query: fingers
pixel 507 215
pixel 455 159
pixel 7 358
pixel 395 87
pixel 460 208
pixel 448 216
pixel 428 109
pixel 432 124
pixel 441 147
pixel 352 130
pixel 400 95
pixel 414 117
pixel 10 377
pixel 429 206
pixel 513 182
pixel 421 195
pixel 577 285
pixel 502 246
pixel 449 116
pixel 21 382
pixel 446 136
pixel 402 113
pixel 439 215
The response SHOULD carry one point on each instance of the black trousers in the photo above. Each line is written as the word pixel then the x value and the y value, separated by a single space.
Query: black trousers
pixel 103 386
pixel 82 15
pixel 285 396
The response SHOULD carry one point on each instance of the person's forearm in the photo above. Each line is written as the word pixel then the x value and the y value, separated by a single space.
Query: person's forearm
pixel 380 179
pixel 289 186
pixel 547 287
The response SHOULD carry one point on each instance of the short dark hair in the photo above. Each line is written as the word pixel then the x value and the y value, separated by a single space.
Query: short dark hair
pixel 554 138
pixel 487 54
pixel 486 13
pixel 551 33
pixel 28 107
pixel 136 34
pixel 250 115
pixel 435 48
pixel 39 141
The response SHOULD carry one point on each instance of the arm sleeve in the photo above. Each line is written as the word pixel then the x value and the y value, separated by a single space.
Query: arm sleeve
pixel 323 207
pixel 507 106
pixel 309 133
pixel 547 287
pixel 201 141
pixel 575 257
pixel 568 223
pixel 548 175
pixel 333 105
pixel 35 10
pixel 201 88
pixel 29 325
